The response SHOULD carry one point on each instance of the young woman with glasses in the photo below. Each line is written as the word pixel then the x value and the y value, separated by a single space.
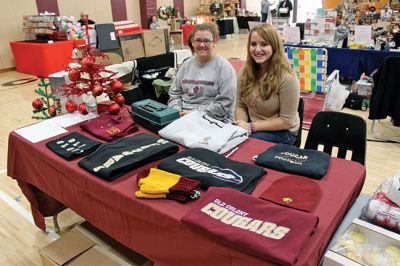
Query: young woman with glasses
pixel 268 90
pixel 206 81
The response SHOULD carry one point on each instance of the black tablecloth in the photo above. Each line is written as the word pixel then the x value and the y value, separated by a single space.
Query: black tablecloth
pixel 243 22
pixel 225 26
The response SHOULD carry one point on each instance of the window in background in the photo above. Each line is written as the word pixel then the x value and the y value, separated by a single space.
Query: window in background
pixel 254 6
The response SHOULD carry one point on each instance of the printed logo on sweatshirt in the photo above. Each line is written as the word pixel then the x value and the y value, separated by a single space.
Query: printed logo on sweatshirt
pixel 226 175
pixel 71 145
pixel 115 158
pixel 113 130
pixel 291 157
pixel 205 140
pixel 198 82
pixel 235 217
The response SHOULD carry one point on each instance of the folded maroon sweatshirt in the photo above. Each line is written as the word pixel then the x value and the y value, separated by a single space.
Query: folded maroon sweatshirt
pixel 110 127
pixel 263 229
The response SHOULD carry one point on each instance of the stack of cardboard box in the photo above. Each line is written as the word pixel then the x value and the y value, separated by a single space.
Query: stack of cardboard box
pixel 86 245
pixel 145 43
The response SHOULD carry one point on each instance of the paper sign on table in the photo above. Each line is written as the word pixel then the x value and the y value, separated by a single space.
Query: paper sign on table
pixel 41 131
pixel 363 34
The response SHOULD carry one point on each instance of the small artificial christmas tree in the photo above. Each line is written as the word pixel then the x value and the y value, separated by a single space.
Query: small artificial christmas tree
pixel 87 75
pixel 44 106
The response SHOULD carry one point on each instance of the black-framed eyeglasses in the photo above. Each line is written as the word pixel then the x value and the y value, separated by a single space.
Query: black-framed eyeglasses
pixel 199 41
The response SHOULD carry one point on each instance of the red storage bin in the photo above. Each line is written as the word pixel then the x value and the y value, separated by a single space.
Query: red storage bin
pixel 42 59
pixel 186 30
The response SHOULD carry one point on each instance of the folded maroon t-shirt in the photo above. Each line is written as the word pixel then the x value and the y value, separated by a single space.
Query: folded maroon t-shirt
pixel 263 229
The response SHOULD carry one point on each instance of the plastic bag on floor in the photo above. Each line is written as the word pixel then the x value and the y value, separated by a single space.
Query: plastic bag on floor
pixel 337 94
pixel 383 208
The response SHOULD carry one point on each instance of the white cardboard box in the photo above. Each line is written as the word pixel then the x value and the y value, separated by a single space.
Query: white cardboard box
pixel 374 234
pixel 334 259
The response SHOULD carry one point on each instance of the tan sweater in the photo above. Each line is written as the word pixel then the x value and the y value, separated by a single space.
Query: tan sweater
pixel 283 104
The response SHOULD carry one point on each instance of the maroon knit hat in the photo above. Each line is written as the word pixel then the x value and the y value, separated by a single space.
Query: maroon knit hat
pixel 185 190
pixel 185 186
pixel 293 191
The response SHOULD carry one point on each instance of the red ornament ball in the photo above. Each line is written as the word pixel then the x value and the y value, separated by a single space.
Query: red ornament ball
pixel 119 99
pixel 37 104
pixel 116 86
pixel 114 109
pixel 88 62
pixel 97 89
pixel 52 111
pixel 71 106
pixel 82 109
pixel 74 74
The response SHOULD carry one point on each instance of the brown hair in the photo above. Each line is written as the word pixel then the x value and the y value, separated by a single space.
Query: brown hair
pixel 190 39
pixel 213 28
pixel 266 83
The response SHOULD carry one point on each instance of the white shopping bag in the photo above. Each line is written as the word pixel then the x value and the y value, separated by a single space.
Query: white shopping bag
pixel 337 93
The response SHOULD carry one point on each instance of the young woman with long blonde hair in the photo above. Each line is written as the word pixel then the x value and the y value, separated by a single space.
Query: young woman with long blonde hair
pixel 268 90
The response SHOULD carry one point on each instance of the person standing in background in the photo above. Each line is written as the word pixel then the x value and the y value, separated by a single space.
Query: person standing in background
pixel 284 8
pixel 265 6
pixel 84 18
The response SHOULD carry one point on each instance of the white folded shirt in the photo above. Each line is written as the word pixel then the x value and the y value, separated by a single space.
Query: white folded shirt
pixel 198 130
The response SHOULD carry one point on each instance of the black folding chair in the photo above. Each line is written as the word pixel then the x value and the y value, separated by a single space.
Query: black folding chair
pixel 341 130
pixel 300 109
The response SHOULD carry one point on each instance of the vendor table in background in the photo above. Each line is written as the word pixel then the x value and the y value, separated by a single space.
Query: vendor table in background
pixel 225 26
pixel 243 22
pixel 42 59
pixel 235 24
pixel 353 62
pixel 153 227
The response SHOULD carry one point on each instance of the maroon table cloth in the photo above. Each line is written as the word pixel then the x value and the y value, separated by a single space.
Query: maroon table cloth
pixel 153 227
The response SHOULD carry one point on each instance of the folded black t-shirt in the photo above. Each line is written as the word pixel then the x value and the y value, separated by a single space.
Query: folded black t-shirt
pixel 112 160
pixel 290 159
pixel 73 145
pixel 212 169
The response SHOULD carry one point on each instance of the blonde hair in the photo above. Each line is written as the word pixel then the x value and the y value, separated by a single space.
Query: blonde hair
pixel 266 83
